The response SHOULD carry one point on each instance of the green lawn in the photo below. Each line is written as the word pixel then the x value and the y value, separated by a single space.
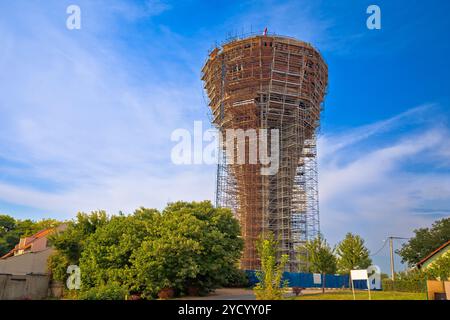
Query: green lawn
pixel 364 295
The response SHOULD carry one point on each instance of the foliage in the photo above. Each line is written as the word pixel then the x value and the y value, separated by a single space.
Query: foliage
pixel 270 285
pixel 188 245
pixel 11 230
pixel 9 236
pixel 106 254
pixel 37 226
pixel 167 262
pixel 440 268
pixel 104 292
pixel 320 256
pixel 58 263
pixel 70 243
pixel 237 278
pixel 409 281
pixel 193 245
pixel 425 241
pixel 352 254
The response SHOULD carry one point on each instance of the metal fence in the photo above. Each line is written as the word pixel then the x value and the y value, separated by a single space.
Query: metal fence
pixel 309 280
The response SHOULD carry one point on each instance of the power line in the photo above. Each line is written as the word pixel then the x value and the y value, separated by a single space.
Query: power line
pixel 384 245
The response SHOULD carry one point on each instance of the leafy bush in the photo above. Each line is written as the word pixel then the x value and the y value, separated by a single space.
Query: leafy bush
pixel 411 281
pixel 106 292
pixel 188 246
pixel 58 264
pixel 237 278
pixel 194 246
pixel 70 242
pixel 440 268
pixel 106 254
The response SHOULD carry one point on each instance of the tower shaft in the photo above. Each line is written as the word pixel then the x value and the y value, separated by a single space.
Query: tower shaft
pixel 269 82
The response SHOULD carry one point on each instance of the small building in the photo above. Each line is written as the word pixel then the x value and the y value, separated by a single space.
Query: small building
pixel 24 270
pixel 436 289
pixel 433 256
pixel 35 243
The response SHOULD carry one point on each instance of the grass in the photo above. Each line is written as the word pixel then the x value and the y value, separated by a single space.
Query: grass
pixel 363 295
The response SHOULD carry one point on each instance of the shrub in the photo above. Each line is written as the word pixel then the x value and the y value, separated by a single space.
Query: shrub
pixel 188 245
pixel 58 264
pixel 237 278
pixel 195 246
pixel 410 281
pixel 105 292
pixel 440 268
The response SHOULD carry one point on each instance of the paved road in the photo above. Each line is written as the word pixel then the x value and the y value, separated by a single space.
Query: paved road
pixel 226 294
pixel 237 294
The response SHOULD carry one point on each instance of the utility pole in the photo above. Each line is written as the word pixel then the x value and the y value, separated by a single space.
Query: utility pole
pixel 391 251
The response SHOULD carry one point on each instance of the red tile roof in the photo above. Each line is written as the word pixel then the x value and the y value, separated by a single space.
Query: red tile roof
pixel 28 242
pixel 421 262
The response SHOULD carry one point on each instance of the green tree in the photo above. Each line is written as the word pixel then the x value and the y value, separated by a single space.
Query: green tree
pixel 58 264
pixel 352 254
pixel 192 245
pixel 319 257
pixel 270 285
pixel 39 226
pixel 9 235
pixel 440 268
pixel 70 242
pixel 105 257
pixel 218 236
pixel 7 223
pixel 165 262
pixel 425 241
pixel 186 245
pixel 11 230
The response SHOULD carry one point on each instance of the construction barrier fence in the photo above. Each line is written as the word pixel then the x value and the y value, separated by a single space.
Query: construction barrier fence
pixel 310 280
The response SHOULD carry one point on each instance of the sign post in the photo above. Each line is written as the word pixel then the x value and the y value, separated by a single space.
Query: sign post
pixel 360 275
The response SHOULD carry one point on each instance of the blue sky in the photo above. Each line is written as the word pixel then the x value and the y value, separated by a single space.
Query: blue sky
pixel 86 115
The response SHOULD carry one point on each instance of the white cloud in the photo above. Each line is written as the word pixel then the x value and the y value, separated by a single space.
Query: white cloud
pixel 82 127
pixel 386 189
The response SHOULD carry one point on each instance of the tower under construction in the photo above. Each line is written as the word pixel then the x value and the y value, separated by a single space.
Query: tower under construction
pixel 269 82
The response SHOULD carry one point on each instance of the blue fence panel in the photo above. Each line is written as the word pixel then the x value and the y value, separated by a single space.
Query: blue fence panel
pixel 252 277
pixel 336 281
pixel 306 280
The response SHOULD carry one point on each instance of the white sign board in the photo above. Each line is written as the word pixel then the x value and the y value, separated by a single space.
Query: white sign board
pixel 317 278
pixel 359 274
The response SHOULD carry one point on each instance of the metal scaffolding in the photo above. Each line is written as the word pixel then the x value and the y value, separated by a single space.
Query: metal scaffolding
pixel 269 82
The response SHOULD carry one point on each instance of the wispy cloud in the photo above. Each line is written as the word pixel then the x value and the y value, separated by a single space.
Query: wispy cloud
pixel 82 127
pixel 379 192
